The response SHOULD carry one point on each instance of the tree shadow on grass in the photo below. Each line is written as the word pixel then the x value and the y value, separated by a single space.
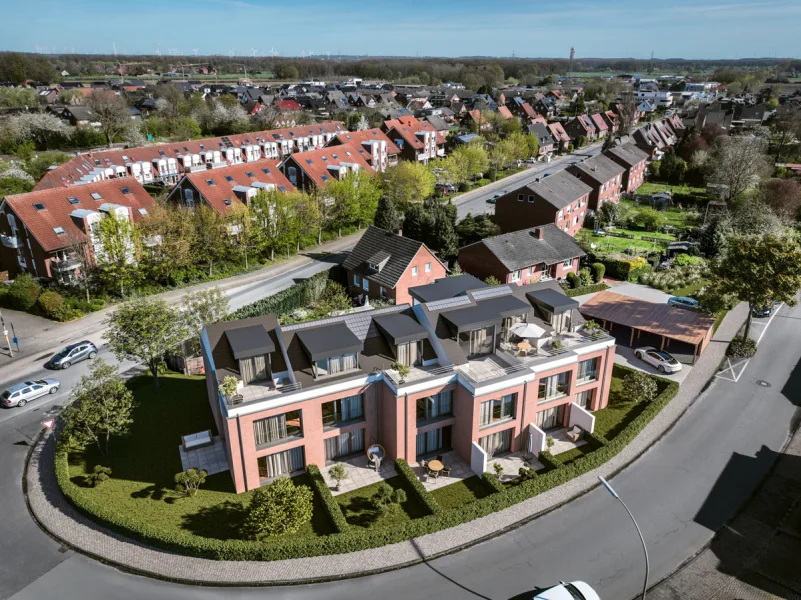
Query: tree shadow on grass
pixel 80 481
pixel 222 521
pixel 361 513
pixel 153 492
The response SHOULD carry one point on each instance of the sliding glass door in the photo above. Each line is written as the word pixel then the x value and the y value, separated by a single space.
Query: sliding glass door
pixel 433 440
pixel 344 444
pixel 280 463
pixel 496 443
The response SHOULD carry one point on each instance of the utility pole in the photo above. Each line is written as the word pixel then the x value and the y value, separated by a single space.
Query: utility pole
pixel 570 64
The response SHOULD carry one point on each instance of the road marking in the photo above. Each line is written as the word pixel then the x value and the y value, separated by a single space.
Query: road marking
pixel 732 368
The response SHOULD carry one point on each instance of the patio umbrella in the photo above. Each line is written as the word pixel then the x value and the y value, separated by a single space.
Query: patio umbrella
pixel 527 330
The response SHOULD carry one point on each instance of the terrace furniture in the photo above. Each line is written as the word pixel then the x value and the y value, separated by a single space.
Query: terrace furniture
pixel 435 467
pixel 439 457
pixel 446 471
pixel 575 433
pixel 197 440
pixel 524 347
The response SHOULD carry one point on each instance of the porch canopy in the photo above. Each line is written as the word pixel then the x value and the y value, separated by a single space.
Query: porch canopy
pixel 668 322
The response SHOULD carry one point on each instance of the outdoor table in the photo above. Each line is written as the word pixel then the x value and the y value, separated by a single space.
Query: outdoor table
pixel 435 466
pixel 524 346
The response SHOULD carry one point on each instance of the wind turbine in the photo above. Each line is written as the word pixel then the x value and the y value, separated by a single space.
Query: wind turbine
pixel 115 48
pixel 302 52
pixel 253 52
pixel 195 51
pixel 230 52
pixel 310 53
pixel 158 50
pixel 274 52
pixel 329 55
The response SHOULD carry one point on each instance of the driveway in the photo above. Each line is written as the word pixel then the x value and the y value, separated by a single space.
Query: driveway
pixel 625 356
pixel 643 292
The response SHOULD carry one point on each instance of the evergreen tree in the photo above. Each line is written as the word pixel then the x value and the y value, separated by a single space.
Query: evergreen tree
pixel 386 217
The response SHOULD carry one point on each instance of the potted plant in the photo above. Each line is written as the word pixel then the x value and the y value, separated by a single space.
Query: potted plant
pixel 402 370
pixel 338 472
pixel 549 443
pixel 230 386
pixel 556 344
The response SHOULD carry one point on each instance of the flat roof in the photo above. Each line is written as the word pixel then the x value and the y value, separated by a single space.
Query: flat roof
pixel 247 342
pixel 401 328
pixel 446 287
pixel 329 340
pixel 660 319
pixel 486 313
pixel 554 301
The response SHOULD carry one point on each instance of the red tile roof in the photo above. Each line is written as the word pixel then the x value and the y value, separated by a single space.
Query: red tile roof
pixel 223 189
pixel 558 132
pixel 287 105
pixel 367 135
pixel 57 208
pixel 315 163
pixel 505 112
pixel 408 127
pixel 530 112
pixel 599 122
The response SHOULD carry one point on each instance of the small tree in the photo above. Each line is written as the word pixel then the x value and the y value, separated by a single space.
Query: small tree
pixel 639 386
pixel 386 217
pixel 189 481
pixel 492 280
pixel 98 476
pixel 24 292
pixel 116 260
pixel 278 508
pixel 549 443
pixel 229 386
pixel 598 271
pixel 204 308
pixel 498 468
pixel 384 496
pixel 585 275
pixel 338 472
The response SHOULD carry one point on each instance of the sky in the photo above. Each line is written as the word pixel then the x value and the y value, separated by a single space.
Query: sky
pixel 524 28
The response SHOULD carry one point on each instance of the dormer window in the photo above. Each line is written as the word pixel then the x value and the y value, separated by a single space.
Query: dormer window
pixel 336 364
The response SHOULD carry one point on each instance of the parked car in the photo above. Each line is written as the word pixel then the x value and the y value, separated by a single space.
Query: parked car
pixel 72 354
pixel 762 312
pixel 661 360
pixel 684 302
pixel 531 160
pixel 575 590
pixel 22 393
pixel 494 199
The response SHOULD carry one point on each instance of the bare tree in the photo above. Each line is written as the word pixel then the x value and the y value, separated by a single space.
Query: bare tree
pixel 80 248
pixel 786 129
pixel 626 114
pixel 111 111
pixel 738 164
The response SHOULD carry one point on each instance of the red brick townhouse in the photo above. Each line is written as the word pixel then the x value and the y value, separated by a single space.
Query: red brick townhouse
pixel 315 168
pixel 374 146
pixel 603 175
pixel 559 135
pixel 226 188
pixel 41 229
pixel 633 160
pixel 324 391
pixel 581 126
pixel 601 127
pixel 385 265
pixel 165 163
pixel 416 140
pixel 560 199
pixel 522 257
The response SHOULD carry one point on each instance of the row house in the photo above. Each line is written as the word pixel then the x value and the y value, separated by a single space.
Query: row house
pixel 228 188
pixel 324 391
pixel 165 163
pixel 316 168
pixel 520 108
pixel 547 145
pixel 416 140
pixel 603 175
pixel 581 126
pixel 42 231
pixel 601 126
pixel 610 118
pixel 384 265
pixel 560 199
pixel 546 107
pixel 374 146
pixel 560 136
pixel 541 253
pixel 634 161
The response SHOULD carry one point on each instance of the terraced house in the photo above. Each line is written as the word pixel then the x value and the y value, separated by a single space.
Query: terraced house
pixel 324 391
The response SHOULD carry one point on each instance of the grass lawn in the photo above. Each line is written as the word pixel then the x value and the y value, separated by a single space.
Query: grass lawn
pixel 648 188
pixel 610 421
pixel 144 463
pixel 359 511
pixel 692 288
pixel 616 244
pixel 571 455
pixel 460 493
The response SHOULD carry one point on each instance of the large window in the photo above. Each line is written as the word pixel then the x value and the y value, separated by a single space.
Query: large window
pixel 279 427
pixel 588 370
pixel 494 411
pixel 434 406
pixel 432 441
pixel 344 444
pixel 584 399
pixel 335 364
pixel 280 463
pixel 481 341
pixel 254 369
pixel 509 322
pixel 410 354
pixel 551 418
pixel 343 410
pixel 553 387
pixel 496 443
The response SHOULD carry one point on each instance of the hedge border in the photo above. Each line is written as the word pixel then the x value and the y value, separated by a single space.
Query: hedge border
pixel 332 507
pixel 548 461
pixel 587 289
pixel 491 479
pixel 352 540
pixel 404 470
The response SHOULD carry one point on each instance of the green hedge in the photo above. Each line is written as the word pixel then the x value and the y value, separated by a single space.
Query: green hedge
pixel 419 490
pixel 598 439
pixel 332 508
pixel 548 461
pixel 353 539
pixel 619 268
pixel 282 303
pixel 491 479
pixel 587 289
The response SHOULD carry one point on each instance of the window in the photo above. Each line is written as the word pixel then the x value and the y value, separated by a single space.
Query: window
pixel 39 206
pixel 531 198
pixel 568 263
pixel 210 183
pixel 126 191
pixel 344 444
pixel 494 411
pixel 249 174
pixel 229 178
pixel 266 171
pixel 356 280
pixel 143 211
pixel 344 410
pixel 96 196
pixel 553 387
pixel 587 370
pixel 365 285
pixel 58 230
pixel 496 443
pixel 280 463
pixel 227 202
pixel 516 275
pixel 324 177
pixel 481 341
pixel 414 271
pixel 411 353
pixel 551 417
pixel 520 197
pixel 335 364
pixel 584 399
pixel 434 406
pixel 277 428
pixel 559 215
pixel 73 200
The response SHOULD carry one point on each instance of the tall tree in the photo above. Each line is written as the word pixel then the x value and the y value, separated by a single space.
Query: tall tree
pixel 783 196
pixel 786 128
pixel 408 182
pixel 386 217
pixel 738 164
pixel 144 330
pixel 111 111
pixel 115 253
pixel 626 114
pixel 247 235
pixel 211 236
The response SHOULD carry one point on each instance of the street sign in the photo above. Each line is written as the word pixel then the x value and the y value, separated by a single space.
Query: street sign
pixel 49 424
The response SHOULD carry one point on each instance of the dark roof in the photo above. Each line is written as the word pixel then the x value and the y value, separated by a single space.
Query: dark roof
pixel 523 248
pixel 552 300
pixel 224 360
pixel 329 340
pixel 544 136
pixel 628 155
pixel 401 252
pixel 598 168
pixel 560 189
pixel 401 328
pixel 486 313
pixel 247 342
pixel 447 287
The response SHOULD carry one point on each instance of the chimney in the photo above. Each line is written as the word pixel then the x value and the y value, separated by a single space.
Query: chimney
pixel 539 233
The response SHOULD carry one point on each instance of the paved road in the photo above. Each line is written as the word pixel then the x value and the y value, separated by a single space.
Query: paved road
pixel 674 489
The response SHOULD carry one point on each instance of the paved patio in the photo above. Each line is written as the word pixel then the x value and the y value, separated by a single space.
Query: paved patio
pixel 211 459
pixel 460 470
pixel 562 443
pixel 359 474
pixel 512 464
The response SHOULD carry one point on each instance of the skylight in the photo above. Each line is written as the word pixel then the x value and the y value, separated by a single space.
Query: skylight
pixel 143 211
pixel 229 178
pixel 210 182
pixel 266 171
pixel 125 190
pixel 58 230
pixel 73 200
pixel 96 196
pixel 227 202
pixel 249 174
pixel 39 206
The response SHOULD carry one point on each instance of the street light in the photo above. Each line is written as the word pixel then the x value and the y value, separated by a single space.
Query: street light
pixel 637 527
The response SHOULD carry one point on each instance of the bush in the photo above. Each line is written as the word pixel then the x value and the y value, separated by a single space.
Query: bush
pixel 625 269
pixel 51 304
pixel 98 476
pixel 24 292
pixel 491 479
pixel 639 386
pixel 587 289
pixel 585 277
pixel 404 470
pixel 741 347
pixel 548 461
pixel 598 270
pixel 278 508
pixel 686 260
pixel 331 506
pixel 573 279
pixel 188 482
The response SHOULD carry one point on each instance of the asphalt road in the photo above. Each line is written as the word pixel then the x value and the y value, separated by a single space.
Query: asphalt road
pixel 681 491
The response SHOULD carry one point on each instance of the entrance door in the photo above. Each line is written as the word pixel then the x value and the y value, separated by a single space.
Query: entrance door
pixel 550 418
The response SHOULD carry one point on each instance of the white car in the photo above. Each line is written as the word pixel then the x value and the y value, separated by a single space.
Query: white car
pixel 658 359
pixel 531 160
pixel 22 393
pixel 575 590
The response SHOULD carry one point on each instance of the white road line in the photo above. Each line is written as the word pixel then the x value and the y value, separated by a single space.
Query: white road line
pixel 732 367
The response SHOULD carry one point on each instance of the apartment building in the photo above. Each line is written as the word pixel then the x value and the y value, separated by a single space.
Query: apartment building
pixel 416 140
pixel 323 391
pixel 315 168
pixel 374 146
pixel 634 161
pixel 603 175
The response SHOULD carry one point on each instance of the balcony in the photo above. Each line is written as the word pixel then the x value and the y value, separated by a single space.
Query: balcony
pixel 490 366
pixel 260 390
pixel 194 168
pixel 417 374
pixel 62 265
pixel 11 241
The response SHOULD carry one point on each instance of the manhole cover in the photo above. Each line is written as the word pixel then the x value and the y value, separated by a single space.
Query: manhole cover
pixel 763 383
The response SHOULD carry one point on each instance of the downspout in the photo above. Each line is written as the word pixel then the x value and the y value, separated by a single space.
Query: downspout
pixel 523 415
pixel 406 426
pixel 242 452
pixel 606 367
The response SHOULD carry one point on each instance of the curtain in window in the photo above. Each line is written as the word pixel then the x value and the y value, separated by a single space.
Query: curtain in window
pixel 331 447
pixel 355 407
pixel 281 463
pixel 334 365
pixel 546 419
pixel 357 440
pixel 246 370
pixel 403 354
pixel 485 415
pixel 445 403
pixel 348 362
pixel 496 442
pixel 270 429
pixel 479 341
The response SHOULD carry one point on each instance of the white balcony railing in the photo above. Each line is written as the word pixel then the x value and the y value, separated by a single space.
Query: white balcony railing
pixel 10 241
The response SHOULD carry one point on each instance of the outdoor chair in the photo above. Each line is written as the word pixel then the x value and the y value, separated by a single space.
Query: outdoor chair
pixel 575 433
pixel 439 457
pixel 446 471
pixel 424 464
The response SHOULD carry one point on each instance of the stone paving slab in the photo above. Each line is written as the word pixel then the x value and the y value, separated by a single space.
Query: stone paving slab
pixel 61 520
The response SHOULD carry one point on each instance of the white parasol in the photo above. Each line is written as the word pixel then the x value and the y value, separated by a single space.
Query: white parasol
pixel 527 330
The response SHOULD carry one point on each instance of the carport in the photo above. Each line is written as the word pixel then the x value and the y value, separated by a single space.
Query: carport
pixel 668 323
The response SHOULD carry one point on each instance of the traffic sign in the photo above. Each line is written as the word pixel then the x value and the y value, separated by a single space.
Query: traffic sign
pixel 49 423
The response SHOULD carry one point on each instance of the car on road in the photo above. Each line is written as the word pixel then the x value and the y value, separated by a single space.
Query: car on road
pixel 575 590
pixel 73 353
pixel 683 302
pixel 761 312
pixel 531 160
pixel 548 174
pixel 663 361
pixel 22 393
pixel 494 199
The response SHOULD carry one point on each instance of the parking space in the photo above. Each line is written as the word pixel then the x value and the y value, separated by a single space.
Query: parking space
pixel 643 292
pixel 625 356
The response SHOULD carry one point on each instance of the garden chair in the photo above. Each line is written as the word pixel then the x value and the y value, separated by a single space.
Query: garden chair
pixel 446 471
pixel 575 433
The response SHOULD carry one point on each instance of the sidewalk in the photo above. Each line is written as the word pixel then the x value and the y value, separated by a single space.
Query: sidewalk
pixel 64 523
pixel 50 333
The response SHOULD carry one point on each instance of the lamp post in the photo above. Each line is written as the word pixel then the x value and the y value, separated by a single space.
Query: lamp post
pixel 637 527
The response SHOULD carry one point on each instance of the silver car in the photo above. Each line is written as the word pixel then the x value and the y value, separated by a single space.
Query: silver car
pixel 73 353
pixel 659 359
pixel 22 393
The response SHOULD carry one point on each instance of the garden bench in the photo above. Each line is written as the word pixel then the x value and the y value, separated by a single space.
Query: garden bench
pixel 197 440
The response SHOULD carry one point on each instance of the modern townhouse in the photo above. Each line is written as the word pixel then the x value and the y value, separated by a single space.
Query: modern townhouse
pixel 634 161
pixel 603 175
pixel 316 168
pixel 417 140
pixel 559 199
pixel 325 391
pixel 541 253
pixel 373 144
pixel 385 265
pixel 661 98
pixel 42 230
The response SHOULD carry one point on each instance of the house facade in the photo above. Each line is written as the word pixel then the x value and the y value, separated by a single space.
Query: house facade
pixel 603 175
pixel 634 161
pixel 416 140
pixel 375 147
pixel 316 168
pixel 581 126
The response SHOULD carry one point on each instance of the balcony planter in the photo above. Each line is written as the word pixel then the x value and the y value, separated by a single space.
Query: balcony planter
pixel 403 371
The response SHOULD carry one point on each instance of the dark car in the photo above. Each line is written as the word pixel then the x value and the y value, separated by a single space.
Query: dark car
pixel 761 312
pixel 72 354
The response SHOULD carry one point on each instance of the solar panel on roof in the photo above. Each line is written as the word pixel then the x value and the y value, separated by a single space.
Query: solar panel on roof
pixel 491 293
pixel 448 303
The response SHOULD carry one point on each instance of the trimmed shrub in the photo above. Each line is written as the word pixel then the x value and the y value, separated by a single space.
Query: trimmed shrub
pixel 741 347
pixel 278 508
pixel 572 279
pixel 548 461
pixel 625 269
pixel 24 292
pixel 595 438
pixel 51 304
pixel 491 479
pixel 639 386
pixel 405 471
pixel 587 289
pixel 585 277
pixel 331 506
pixel 598 270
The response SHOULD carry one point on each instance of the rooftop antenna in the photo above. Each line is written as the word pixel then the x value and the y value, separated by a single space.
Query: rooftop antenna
pixel 570 65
